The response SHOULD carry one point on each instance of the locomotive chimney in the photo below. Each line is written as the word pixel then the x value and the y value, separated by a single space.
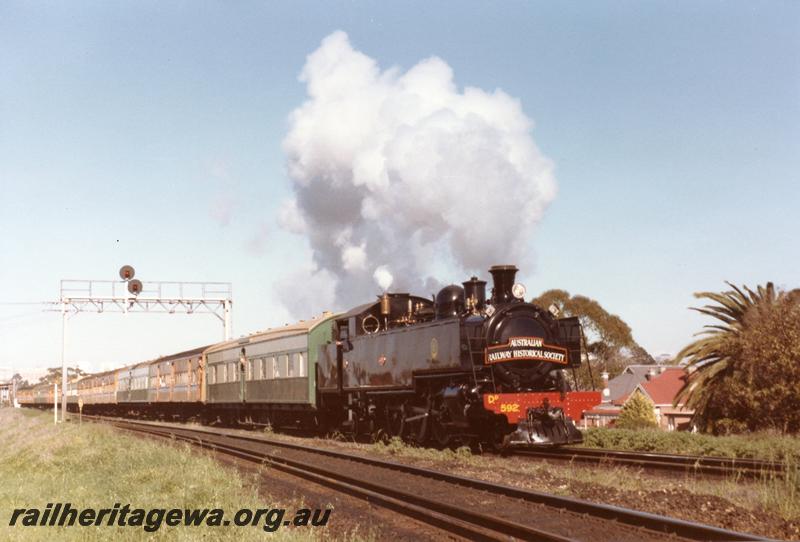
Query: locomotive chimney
pixel 475 289
pixel 606 389
pixel 503 277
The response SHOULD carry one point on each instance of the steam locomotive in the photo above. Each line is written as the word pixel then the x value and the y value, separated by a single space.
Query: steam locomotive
pixel 462 368
pixel 456 369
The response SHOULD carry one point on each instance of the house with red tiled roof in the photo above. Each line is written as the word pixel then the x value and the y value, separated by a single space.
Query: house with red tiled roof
pixel 660 384
pixel 662 391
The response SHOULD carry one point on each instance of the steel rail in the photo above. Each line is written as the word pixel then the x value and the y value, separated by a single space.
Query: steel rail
pixel 456 520
pixel 718 466
pixel 634 518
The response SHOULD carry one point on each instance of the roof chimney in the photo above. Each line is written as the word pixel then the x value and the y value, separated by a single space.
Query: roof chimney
pixel 606 389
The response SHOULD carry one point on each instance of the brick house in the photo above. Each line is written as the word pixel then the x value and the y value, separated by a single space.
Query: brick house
pixel 660 384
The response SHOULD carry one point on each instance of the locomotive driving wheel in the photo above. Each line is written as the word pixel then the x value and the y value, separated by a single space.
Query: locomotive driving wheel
pixel 415 424
pixel 438 432
pixel 498 438
pixel 395 416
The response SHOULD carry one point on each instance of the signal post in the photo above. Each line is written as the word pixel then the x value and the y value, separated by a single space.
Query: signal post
pixel 131 295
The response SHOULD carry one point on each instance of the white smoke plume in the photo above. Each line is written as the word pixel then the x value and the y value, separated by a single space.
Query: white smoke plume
pixel 399 174
pixel 383 277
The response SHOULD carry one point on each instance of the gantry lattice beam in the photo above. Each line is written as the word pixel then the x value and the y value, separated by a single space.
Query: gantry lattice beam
pixel 155 297
pixel 159 297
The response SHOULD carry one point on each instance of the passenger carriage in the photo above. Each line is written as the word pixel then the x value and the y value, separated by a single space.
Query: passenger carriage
pixel 132 387
pixel 176 382
pixel 269 376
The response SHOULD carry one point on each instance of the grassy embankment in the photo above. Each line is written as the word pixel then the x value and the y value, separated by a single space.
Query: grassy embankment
pixel 93 466
pixel 756 446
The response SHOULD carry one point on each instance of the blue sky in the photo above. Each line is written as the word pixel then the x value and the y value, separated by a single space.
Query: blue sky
pixel 150 133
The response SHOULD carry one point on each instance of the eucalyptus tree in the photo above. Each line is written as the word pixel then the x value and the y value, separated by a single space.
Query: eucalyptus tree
pixel 609 340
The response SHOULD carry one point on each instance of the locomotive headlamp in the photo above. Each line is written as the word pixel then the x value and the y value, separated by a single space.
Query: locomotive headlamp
pixel 518 291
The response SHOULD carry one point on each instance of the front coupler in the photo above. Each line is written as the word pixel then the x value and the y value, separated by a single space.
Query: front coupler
pixel 545 426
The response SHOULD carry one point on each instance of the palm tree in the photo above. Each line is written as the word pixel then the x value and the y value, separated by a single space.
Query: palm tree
pixel 712 356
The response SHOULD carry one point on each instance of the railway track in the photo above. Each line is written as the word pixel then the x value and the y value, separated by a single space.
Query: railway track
pixel 698 465
pixel 466 507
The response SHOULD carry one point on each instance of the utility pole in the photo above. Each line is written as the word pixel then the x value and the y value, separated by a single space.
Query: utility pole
pixel 63 362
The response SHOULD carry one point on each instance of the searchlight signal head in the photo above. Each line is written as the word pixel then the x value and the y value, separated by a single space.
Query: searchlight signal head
pixel 135 286
pixel 126 272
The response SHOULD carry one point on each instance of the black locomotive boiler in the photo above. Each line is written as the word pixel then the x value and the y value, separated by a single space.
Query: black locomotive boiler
pixel 460 369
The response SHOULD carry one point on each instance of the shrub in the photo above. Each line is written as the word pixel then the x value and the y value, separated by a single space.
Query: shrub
pixel 637 413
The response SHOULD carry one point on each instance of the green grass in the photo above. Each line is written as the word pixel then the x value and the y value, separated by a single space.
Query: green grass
pixel 94 466
pixel 397 448
pixel 756 446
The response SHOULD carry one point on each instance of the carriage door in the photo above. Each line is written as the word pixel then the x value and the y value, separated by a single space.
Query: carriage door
pixel 242 364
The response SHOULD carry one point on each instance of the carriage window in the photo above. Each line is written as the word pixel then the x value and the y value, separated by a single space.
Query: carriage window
pixel 211 373
pixel 233 372
pixel 301 370
pixel 291 369
pixel 283 366
pixel 223 370
pixel 249 374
